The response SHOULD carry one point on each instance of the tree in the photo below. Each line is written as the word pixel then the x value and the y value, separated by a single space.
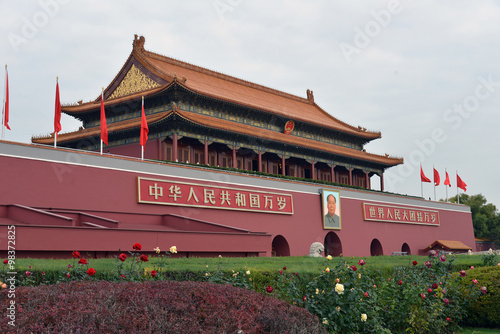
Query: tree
pixel 485 216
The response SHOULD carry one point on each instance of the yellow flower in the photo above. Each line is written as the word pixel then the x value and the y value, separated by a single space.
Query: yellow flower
pixel 207 274
pixel 317 291
pixel 157 249
pixel 220 256
pixel 338 308
pixel 363 317
pixel 337 280
pixel 339 288
pixel 329 257
pixel 248 272
pixel 327 270
pixel 359 275
pixel 173 249
pixel 325 321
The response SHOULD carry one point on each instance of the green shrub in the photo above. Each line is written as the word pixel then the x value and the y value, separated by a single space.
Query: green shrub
pixel 484 311
pixel 151 307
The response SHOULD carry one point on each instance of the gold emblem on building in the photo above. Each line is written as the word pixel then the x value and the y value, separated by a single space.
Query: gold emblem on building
pixel 134 81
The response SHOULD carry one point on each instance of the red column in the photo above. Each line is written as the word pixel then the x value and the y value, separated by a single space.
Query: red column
pixel 259 161
pixel 350 176
pixel 205 153
pixel 160 146
pixel 175 154
pixel 235 164
pixel 367 180
pixel 382 182
pixel 283 169
pixel 332 173
pixel 313 171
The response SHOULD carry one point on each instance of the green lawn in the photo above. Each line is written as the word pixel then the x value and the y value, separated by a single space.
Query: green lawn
pixel 480 331
pixel 301 264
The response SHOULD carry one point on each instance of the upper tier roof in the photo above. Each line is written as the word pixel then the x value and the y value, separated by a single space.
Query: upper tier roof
pixel 161 71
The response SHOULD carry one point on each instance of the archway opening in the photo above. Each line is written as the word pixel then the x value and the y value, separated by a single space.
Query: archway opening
pixel 376 248
pixel 333 245
pixel 406 248
pixel 280 246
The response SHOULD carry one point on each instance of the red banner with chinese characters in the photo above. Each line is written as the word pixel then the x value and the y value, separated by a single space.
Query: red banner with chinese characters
pixel 400 214
pixel 153 191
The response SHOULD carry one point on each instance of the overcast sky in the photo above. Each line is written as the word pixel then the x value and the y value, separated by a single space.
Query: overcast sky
pixel 424 73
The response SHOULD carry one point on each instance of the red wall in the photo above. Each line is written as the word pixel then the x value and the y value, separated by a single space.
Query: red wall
pixel 112 194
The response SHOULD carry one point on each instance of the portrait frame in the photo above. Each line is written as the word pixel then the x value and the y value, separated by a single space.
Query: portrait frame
pixel 329 222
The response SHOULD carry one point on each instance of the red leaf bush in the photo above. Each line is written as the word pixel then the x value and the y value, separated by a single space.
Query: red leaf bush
pixel 152 307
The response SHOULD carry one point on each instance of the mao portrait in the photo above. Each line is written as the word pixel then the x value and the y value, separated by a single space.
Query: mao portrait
pixel 331 209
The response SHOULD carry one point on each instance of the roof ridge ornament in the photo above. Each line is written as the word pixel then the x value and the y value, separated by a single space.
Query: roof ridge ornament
pixel 310 96
pixel 138 43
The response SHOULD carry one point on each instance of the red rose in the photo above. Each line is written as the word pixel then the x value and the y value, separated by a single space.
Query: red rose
pixel 76 254
pixel 281 271
pixel 82 261
pixel 122 276
pixel 5 261
pixel 462 273
pixel 400 282
pixel 354 268
pixel 296 274
pixel 429 290
pixel 366 295
pixel 122 257
pixel 448 319
pixel 68 275
pixel 91 272
pixel 446 301
pixel 422 296
pixel 137 246
pixel 284 268
pixel 153 273
pixel 361 262
pixel 28 273
pixel 144 258
pixel 269 289
pixel 435 286
pixel 415 263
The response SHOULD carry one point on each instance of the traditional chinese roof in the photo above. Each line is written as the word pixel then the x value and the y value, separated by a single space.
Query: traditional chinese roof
pixel 448 245
pixel 224 125
pixel 146 73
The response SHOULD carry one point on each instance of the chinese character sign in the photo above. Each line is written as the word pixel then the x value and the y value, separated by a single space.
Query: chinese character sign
pixel 163 192
pixel 399 214
pixel 331 209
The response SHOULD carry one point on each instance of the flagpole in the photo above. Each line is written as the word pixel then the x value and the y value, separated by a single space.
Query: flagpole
pixel 458 197
pixel 55 131
pixel 3 105
pixel 102 97
pixel 142 147
pixel 446 173
pixel 434 178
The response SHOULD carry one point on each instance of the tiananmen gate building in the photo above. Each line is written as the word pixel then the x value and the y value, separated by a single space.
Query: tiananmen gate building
pixel 231 168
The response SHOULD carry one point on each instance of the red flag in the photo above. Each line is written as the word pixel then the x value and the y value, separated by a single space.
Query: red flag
pixel 144 127
pixel 104 127
pixel 461 184
pixel 436 177
pixel 57 116
pixel 423 178
pixel 6 110
pixel 447 180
